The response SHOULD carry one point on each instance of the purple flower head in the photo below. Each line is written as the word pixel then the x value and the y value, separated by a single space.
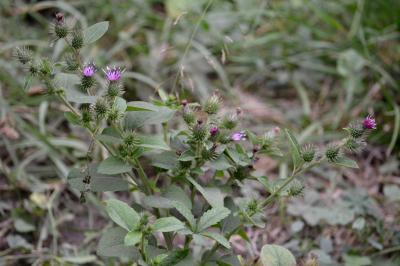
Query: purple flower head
pixel 113 74
pixel 369 122
pixel 238 136
pixel 213 131
pixel 89 70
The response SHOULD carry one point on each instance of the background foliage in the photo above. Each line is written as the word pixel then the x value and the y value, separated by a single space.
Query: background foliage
pixel 309 65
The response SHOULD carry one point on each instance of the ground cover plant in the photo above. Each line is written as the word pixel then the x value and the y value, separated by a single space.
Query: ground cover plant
pixel 190 169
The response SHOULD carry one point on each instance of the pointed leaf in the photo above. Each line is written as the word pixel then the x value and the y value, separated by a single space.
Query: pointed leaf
pixel 132 238
pixel 185 212
pixel 346 162
pixel 167 224
pixel 211 217
pixel 217 237
pixel 153 142
pixel 113 165
pixel 294 149
pixel 95 32
pixel 111 244
pixel 122 214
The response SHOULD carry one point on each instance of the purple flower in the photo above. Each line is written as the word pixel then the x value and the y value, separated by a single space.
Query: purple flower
pixel 369 122
pixel 238 136
pixel 113 74
pixel 213 131
pixel 88 70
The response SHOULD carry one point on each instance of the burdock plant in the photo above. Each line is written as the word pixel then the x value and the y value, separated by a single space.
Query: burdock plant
pixel 168 171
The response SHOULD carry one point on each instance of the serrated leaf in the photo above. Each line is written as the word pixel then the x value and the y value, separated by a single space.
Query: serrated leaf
pixel 294 149
pixel 185 212
pixel 98 182
pixel 218 237
pixel 175 257
pixel 213 195
pixel 346 162
pixel 122 214
pixel 211 217
pixel 274 255
pixel 132 238
pixel 176 193
pixel 167 224
pixel 111 244
pixel 113 165
pixel 95 32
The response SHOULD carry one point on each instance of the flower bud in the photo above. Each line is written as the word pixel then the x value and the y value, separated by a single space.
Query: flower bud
pixel 100 108
pixel 71 63
pixel 354 145
pixel 214 131
pixel 60 28
pixel 210 154
pixel 188 115
pixel 230 121
pixel 332 153
pixel 356 130
pixel 199 132
pixel 296 188
pixel 211 106
pixel 114 90
pixel 308 153
pixel 86 116
pixel 114 116
pixel 131 139
pixel 252 207
pixel 23 54
pixel 77 40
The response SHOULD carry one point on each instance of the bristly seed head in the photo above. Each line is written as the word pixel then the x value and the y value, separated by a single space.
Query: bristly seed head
pixel 332 153
pixel 369 122
pixel 356 130
pixel 23 54
pixel 113 74
pixel 211 106
pixel 308 153
pixel 100 108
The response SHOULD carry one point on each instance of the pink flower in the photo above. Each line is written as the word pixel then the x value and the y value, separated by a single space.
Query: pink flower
pixel 369 122
pixel 213 131
pixel 89 70
pixel 238 136
pixel 113 74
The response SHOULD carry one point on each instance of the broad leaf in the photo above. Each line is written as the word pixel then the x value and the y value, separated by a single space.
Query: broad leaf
pixel 98 182
pixel 211 217
pixel 213 195
pixel 167 224
pixel 113 165
pixel 294 149
pixel 175 257
pixel 95 32
pixel 122 214
pixel 176 193
pixel 274 255
pixel 185 212
pixel 111 244
pixel 132 238
pixel 153 142
pixel 140 114
pixel 346 162
pixel 157 202
pixel 69 83
pixel 165 160
pixel 217 237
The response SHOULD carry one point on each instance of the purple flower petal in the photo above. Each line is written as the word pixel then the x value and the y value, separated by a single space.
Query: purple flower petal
pixel 369 122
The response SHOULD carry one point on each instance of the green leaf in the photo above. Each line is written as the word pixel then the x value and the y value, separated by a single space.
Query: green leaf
pixel 72 118
pixel 140 114
pixel 392 192
pixel 294 149
pixel 346 162
pixel 274 255
pixel 352 260
pixel 122 214
pixel 95 32
pixel 185 212
pixel 132 238
pixel 211 217
pixel 157 202
pixel 120 104
pixel 221 163
pixel 213 195
pixel 111 244
pixel 164 160
pixel 113 165
pixel 98 182
pixel 167 224
pixel 217 237
pixel 153 142
pixel 175 257
pixel 69 82
pixel 176 193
